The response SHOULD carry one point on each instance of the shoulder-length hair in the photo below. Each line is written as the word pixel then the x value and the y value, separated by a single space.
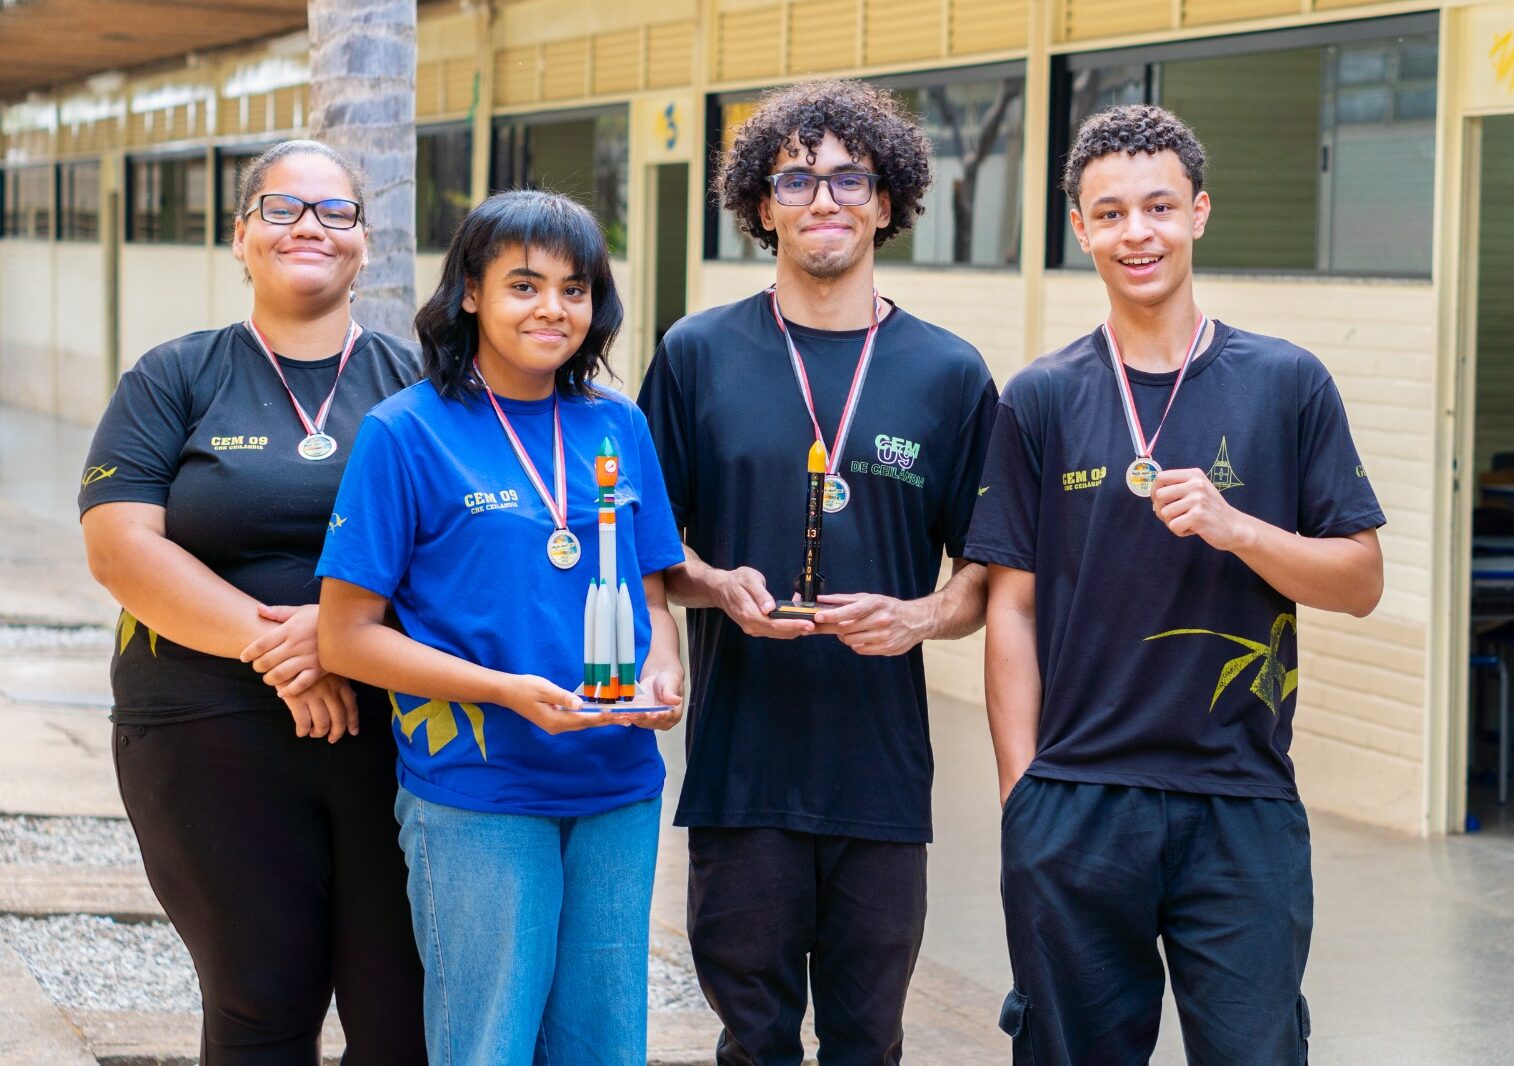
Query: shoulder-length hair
pixel 530 219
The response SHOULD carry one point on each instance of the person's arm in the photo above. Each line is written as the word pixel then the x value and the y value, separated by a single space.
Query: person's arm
pixel 741 593
pixel 1330 573
pixel 165 587
pixel 173 593
pixel 873 624
pixel 359 645
pixel 662 673
pixel 1012 673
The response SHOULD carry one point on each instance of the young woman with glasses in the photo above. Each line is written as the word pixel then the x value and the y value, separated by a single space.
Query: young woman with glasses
pixel 259 784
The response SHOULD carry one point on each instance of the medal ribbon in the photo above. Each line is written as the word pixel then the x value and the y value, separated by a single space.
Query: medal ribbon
pixel 1143 447
pixel 319 425
pixel 849 409
pixel 557 508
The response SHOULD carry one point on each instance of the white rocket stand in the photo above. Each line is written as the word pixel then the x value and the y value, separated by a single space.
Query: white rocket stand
pixel 609 631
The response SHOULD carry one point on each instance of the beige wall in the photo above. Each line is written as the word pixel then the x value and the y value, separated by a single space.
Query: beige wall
pixel 27 373
pixel 52 327
pixel 79 330
pixel 165 292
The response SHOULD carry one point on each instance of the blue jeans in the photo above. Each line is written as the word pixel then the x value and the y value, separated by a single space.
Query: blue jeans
pixel 533 932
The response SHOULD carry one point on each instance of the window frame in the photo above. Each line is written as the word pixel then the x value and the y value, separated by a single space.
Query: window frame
pixel 59 208
pixel 514 120
pixel 129 192
pixel 425 129
pixel 1321 35
pixel 715 131
pixel 50 183
pixel 248 150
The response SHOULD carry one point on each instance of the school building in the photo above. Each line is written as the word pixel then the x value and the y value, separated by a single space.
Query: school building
pixel 1362 174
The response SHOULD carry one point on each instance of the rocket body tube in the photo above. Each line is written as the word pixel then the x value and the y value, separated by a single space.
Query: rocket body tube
pixel 814 516
pixel 590 603
pixel 625 644
pixel 604 645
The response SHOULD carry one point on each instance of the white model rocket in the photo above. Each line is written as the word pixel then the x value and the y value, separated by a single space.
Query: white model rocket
pixel 609 627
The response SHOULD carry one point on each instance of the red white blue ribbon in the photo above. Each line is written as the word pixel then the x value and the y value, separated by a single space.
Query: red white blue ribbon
pixel 1143 447
pixel 319 425
pixel 557 508
pixel 849 409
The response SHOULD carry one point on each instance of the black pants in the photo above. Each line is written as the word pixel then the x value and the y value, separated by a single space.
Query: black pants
pixel 767 905
pixel 1095 875
pixel 277 860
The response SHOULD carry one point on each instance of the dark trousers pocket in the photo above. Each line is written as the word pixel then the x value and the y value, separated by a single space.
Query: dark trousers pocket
pixel 1303 1031
pixel 1014 1019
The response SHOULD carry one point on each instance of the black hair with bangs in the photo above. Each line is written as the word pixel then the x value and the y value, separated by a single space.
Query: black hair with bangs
pixel 529 218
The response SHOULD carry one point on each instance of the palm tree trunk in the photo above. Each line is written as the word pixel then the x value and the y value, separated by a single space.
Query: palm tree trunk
pixel 362 102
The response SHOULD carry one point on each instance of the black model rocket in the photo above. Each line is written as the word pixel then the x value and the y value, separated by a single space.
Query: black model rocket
pixel 809 583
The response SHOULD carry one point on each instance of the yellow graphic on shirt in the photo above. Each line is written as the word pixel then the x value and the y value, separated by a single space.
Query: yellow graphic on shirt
pixel 1273 683
pixel 98 473
pixel 126 628
pixel 441 723
pixel 1221 473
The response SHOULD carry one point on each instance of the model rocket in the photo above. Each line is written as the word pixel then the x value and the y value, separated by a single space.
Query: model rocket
pixel 809 582
pixel 609 626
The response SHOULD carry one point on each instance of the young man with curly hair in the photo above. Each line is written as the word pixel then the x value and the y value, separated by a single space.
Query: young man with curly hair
pixel 807 794
pixel 1142 659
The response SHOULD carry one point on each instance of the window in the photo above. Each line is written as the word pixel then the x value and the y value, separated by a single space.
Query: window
pixel 443 183
pixel 79 201
pixel 229 165
pixel 584 154
pixel 975 122
pixel 1315 139
pixel 168 200
pixel 28 200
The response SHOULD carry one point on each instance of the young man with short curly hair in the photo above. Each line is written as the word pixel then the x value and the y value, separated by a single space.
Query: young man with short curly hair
pixel 1141 654
pixel 807 794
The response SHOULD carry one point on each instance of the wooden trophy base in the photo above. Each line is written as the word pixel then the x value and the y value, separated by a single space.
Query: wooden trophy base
pixel 804 611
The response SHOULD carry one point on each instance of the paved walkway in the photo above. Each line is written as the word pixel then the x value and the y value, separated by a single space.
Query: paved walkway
pixel 1412 956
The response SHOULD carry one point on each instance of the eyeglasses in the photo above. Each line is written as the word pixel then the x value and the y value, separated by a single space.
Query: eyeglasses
pixel 798 188
pixel 283 210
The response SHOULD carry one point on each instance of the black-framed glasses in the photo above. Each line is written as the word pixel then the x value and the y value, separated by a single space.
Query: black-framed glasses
pixel 281 209
pixel 798 188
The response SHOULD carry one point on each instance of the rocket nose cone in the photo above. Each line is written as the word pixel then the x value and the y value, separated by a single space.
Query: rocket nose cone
pixel 818 458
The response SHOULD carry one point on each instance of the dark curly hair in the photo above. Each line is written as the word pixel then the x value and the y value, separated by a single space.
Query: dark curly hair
pixel 531 219
pixel 868 120
pixel 1132 128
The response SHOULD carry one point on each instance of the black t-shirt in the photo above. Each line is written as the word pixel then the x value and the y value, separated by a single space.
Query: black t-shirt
pixel 1164 662
pixel 202 427
pixel 806 734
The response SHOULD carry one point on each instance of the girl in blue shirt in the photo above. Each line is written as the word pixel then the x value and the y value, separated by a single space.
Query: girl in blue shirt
pixel 470 509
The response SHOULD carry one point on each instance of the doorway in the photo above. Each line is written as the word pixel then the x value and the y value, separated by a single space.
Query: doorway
pixel 1489 480
pixel 670 263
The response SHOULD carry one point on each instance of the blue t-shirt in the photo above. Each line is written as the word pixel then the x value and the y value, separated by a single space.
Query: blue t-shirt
pixel 1164 662
pixel 436 514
